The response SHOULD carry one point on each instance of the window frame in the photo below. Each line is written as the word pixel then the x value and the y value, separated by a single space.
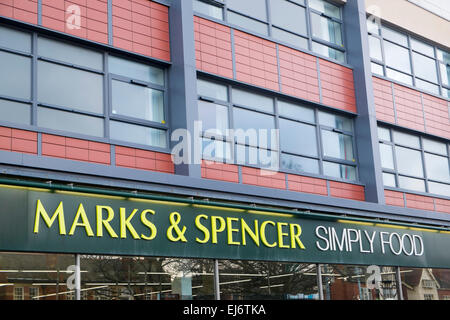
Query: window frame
pixel 277 116
pixel 308 36
pixel 422 151
pixel 441 87
pixel 106 115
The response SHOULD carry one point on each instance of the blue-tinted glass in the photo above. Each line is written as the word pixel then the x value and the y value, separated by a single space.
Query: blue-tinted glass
pixel 253 8
pixel 208 9
pixel 337 145
pixel 298 138
pixel 411 184
pixel 137 134
pixel 252 100
pixel 387 156
pixel 326 29
pixel 328 52
pixel 214 117
pixel 15 112
pixel 212 90
pixel 437 167
pixel 409 161
pixel 136 70
pixel 289 16
pixel 15 39
pixel 339 170
pixel 247 126
pixel 397 57
pixel 299 164
pixel 15 75
pixel 295 111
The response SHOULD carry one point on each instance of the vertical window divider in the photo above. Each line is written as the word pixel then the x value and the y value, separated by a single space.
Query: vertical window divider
pixel 269 18
pixel 411 60
pixel 308 24
pixel 107 95
pixel 34 84
pixel 231 139
pixel 425 175
pixel 319 141
pixel 394 156
pixel 277 127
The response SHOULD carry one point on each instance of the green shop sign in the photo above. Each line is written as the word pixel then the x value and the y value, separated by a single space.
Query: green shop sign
pixel 44 220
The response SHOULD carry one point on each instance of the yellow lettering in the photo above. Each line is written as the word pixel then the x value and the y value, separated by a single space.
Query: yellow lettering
pixel 104 222
pixel 149 224
pixel 214 229
pixel 126 224
pixel 230 230
pixel 59 212
pixel 263 234
pixel 246 229
pixel 201 227
pixel 81 213
pixel 280 226
pixel 295 236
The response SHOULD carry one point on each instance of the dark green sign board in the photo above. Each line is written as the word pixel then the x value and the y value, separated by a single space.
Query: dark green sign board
pixel 67 222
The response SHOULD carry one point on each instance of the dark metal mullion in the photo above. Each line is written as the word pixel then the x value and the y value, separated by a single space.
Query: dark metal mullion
pixel 319 142
pixel 328 44
pixel 137 121
pixel 18 52
pixel 269 17
pixel 253 109
pixel 308 24
pixel 323 14
pixel 19 100
pixel 394 156
pixel 69 109
pixel 248 17
pixel 137 83
pixel 300 155
pixel 231 125
pixel 296 120
pixel 166 115
pixel 424 167
pixel 277 126
pixel 34 84
pixel 438 70
pixel 411 60
pixel 107 96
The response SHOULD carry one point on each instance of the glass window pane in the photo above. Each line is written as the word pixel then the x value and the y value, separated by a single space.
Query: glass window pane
pixel 335 121
pixel 439 188
pixel 71 122
pixel 397 57
pixel 289 38
pixel 387 156
pixel 398 76
pixel 15 112
pixel 295 111
pixel 15 75
pixel 208 9
pixel 339 170
pixel 424 48
pixel 136 70
pixel 375 48
pixel 411 184
pixel 250 123
pixel 247 23
pixel 437 167
pixel 409 161
pixel 443 56
pixel 252 100
pixel 15 39
pixel 212 90
pixel 424 85
pixel 424 67
pixel 328 52
pixel 137 101
pixel 406 139
pixel 256 157
pixel 395 36
pixel 445 73
pixel 253 8
pixel 384 134
pixel 299 164
pixel 434 146
pixel 337 145
pixel 377 69
pixel 298 138
pixel 389 180
pixel 326 7
pixel 137 134
pixel 216 149
pixel 77 55
pixel 326 29
pixel 288 16
pixel 69 87
pixel 214 117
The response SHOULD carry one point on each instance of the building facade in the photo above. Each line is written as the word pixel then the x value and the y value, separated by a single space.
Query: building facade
pixel 224 149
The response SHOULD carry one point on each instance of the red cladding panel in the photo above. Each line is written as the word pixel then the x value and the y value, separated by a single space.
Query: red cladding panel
pixel 442 205
pixel 419 202
pixel 263 178
pixel 213 47
pixel 346 190
pixel 220 171
pixel 394 198
pixel 144 159
pixel 337 86
pixel 81 18
pixel 298 74
pixel 384 102
pixel 307 185
pixel 141 26
pixel 408 105
pixel 256 61
pixel 23 10
pixel 18 140
pixel 436 116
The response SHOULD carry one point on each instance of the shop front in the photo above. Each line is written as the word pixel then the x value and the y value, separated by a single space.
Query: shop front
pixel 62 242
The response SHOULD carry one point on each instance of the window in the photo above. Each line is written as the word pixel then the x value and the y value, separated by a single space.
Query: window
pixel 19 293
pixel 414 163
pixel 80 91
pixel 285 21
pixel 408 60
pixel 308 141
pixel 34 292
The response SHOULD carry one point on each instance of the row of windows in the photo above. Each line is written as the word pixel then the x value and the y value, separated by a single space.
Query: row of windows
pixel 414 163
pixel 408 60
pixel 63 87
pixel 314 25
pixel 309 141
